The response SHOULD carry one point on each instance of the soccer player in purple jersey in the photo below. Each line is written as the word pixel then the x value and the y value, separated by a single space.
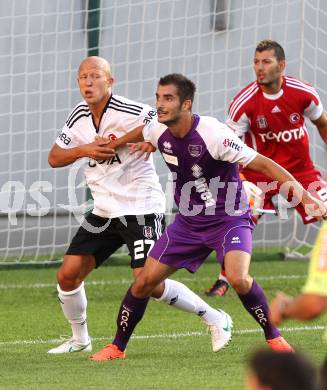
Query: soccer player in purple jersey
pixel 213 211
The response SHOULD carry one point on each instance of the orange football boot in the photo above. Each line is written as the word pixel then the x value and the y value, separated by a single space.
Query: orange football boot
pixel 279 344
pixel 109 352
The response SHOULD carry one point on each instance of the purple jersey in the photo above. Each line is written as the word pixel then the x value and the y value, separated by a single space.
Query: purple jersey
pixel 205 169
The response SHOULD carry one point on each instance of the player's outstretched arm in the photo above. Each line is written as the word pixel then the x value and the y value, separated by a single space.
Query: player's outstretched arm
pixel 142 148
pixel 97 150
pixel 321 124
pixel 131 137
pixel 268 167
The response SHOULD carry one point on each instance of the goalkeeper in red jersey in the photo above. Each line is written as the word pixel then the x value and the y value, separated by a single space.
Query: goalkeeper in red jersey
pixel 269 114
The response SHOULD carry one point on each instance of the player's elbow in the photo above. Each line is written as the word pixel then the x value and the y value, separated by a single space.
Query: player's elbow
pixel 53 161
pixel 56 157
pixel 324 135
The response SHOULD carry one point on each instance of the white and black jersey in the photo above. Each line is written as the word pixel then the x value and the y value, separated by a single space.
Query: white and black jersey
pixel 124 184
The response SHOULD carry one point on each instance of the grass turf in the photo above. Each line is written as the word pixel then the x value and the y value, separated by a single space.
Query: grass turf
pixel 175 352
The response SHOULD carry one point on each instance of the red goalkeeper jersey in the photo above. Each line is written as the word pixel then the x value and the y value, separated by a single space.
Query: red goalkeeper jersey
pixel 274 124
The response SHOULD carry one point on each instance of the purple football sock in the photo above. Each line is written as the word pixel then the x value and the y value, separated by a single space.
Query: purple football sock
pixel 255 303
pixel 130 313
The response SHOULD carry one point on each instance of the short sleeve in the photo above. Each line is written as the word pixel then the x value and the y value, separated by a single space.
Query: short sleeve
pixel 131 122
pixel 314 110
pixel 230 148
pixel 223 144
pixel 153 130
pixel 67 139
pixel 241 126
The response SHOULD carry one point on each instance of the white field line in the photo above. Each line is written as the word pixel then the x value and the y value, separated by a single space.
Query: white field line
pixel 161 336
pixel 129 281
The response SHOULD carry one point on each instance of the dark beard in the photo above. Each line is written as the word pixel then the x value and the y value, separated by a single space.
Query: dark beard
pixel 266 83
pixel 171 122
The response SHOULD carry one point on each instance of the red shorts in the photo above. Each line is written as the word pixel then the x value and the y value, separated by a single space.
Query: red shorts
pixel 311 181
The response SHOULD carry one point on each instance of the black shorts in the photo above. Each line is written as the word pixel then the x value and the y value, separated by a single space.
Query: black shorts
pixel 101 237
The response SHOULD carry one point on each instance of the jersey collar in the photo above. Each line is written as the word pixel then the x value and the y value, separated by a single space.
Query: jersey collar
pixel 192 129
pixel 102 113
pixel 274 96
pixel 277 95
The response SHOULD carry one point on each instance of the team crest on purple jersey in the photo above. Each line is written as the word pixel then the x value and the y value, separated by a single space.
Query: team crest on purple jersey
pixel 148 231
pixel 195 150
pixel 261 122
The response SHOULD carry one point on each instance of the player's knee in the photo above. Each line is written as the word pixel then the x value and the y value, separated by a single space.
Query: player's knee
pixel 68 280
pixel 240 283
pixel 142 287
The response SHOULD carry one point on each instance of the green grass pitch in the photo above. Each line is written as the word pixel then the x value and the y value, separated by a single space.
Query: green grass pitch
pixel 170 349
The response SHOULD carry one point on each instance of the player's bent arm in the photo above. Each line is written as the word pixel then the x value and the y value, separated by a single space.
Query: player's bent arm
pixel 321 124
pixel 98 150
pixel 59 157
pixel 142 148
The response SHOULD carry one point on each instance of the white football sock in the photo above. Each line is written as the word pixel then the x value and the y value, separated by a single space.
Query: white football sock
pixel 73 304
pixel 180 296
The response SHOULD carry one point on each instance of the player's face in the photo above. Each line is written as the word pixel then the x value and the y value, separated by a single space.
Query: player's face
pixel 94 82
pixel 267 68
pixel 168 104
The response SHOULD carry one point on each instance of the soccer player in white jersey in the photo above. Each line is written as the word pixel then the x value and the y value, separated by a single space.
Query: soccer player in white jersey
pixel 128 203
pixel 270 116
pixel 213 215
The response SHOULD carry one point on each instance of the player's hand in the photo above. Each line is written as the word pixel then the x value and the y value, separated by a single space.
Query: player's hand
pixel 101 140
pixel 253 193
pixel 313 206
pixel 277 308
pixel 99 150
pixel 142 148
pixel 114 144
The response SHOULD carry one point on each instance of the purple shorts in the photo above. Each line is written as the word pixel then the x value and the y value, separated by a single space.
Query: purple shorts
pixel 185 245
